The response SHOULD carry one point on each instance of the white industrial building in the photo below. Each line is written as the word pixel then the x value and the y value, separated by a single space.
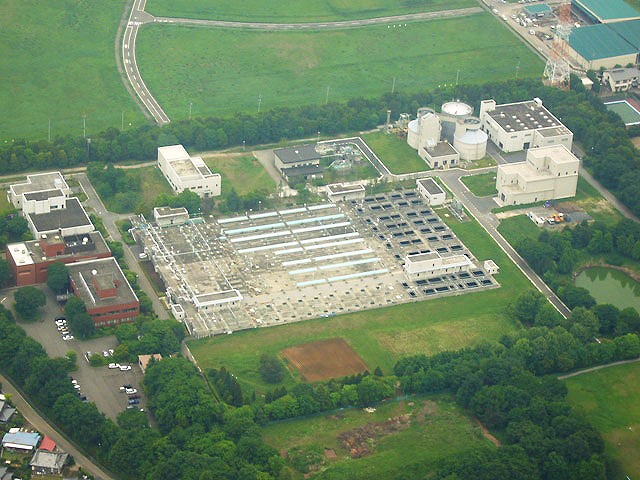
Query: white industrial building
pixel 67 219
pixel 184 172
pixel 518 126
pixel 443 139
pixel 170 216
pixel 548 173
pixel 431 191
pixel 38 188
pixel 338 192
pixel 432 263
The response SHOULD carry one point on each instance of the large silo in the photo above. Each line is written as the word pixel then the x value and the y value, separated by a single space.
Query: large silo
pixel 469 140
pixel 429 129
pixel 451 114
pixel 413 134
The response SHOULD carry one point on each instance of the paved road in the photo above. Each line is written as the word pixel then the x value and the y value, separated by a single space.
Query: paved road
pixel 480 209
pixel 43 426
pixel 321 25
pixel 599 367
pixel 138 17
pixel 109 219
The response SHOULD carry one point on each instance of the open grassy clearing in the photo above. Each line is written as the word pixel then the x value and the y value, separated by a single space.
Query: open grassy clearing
pixel 437 429
pixel 286 11
pixel 224 71
pixel 481 185
pixel 58 63
pixel 395 153
pixel 588 198
pixel 152 184
pixel 383 335
pixel 609 399
pixel 241 172
pixel 518 228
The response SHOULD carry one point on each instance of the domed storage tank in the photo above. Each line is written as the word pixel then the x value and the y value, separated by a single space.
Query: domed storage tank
pixel 413 136
pixel 451 113
pixel 471 143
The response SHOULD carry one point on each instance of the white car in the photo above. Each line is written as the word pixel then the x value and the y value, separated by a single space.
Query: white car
pixel 125 368
pixel 60 323
pixel 76 386
pixel 114 365
pixel 110 351
pixel 130 391
pixel 68 337
pixel 62 327
pixel 105 353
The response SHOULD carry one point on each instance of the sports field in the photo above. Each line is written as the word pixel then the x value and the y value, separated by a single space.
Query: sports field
pixel 409 436
pixel 58 63
pixel 332 358
pixel 609 399
pixel 288 11
pixel 626 111
pixel 224 71
pixel 381 336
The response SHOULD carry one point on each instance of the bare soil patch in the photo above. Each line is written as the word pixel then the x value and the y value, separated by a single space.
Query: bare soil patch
pixel 360 442
pixel 324 359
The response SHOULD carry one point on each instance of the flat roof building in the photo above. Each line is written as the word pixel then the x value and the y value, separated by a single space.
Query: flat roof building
pixel 301 161
pixel 548 173
pixel 170 216
pixel 338 192
pixel 538 10
pixel 440 155
pixel 38 182
pixel 432 263
pixel 430 190
pixel 71 219
pixel 606 11
pixel 184 172
pixel 29 261
pixel 522 125
pixel 105 291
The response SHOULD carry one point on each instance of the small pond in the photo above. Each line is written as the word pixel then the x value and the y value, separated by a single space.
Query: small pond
pixel 610 286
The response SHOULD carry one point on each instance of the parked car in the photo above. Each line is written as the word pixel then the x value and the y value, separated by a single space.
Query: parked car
pixel 125 368
pixel 114 365
pixel 61 319
pixel 68 337
pixel 130 391
pixel 134 401
pixel 134 396
pixel 125 386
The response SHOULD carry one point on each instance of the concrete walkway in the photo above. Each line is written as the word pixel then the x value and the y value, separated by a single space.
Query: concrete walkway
pixel 599 367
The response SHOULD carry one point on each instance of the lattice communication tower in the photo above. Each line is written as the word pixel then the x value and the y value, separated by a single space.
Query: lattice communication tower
pixel 557 70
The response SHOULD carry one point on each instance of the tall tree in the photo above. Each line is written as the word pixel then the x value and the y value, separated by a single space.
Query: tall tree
pixel 58 277
pixel 28 301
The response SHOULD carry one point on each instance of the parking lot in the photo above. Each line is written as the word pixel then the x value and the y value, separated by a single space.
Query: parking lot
pixel 305 262
pixel 99 384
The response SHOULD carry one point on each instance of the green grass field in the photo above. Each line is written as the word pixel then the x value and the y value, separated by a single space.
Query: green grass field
pixel 395 153
pixel 609 399
pixel 296 10
pixel 438 429
pixel 381 336
pixel 224 71
pixel 241 172
pixel 518 228
pixel 481 185
pixel 58 63
pixel 152 184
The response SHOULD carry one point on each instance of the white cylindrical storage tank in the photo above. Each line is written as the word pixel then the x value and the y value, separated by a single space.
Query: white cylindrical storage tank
pixel 429 129
pixel 457 109
pixel 451 113
pixel 472 144
pixel 413 135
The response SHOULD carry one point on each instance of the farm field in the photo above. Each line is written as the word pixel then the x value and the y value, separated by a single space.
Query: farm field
pixel 421 432
pixel 240 171
pixel 395 153
pixel 482 185
pixel 608 398
pixel 225 71
pixel 58 64
pixel 381 336
pixel 288 11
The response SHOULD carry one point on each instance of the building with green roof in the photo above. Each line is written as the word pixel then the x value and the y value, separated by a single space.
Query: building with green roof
pixel 538 10
pixel 630 31
pixel 599 45
pixel 607 11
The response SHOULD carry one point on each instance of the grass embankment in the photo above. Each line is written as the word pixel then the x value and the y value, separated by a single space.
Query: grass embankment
pixel 241 172
pixel 58 64
pixel 395 153
pixel 285 11
pixel 436 429
pixel 481 185
pixel 608 398
pixel 381 336
pixel 297 68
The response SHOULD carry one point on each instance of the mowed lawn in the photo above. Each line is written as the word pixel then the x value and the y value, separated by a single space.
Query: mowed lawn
pixel 225 71
pixel 241 172
pixel 609 399
pixel 287 11
pixel 481 185
pixel 437 430
pixel 58 63
pixel 382 336
pixel 395 153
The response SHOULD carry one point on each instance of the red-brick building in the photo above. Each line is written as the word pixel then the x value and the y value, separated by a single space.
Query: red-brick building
pixel 105 291
pixel 29 261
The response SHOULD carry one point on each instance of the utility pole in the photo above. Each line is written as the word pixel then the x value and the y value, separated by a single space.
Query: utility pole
pixel 393 85
pixel 49 132
pixel 190 105
pixel 457 76
pixel 84 126
pixel 326 100
pixel 259 102
pixel 122 121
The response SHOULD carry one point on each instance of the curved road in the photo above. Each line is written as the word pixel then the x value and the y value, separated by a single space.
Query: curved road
pixel 138 17
pixel 43 426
